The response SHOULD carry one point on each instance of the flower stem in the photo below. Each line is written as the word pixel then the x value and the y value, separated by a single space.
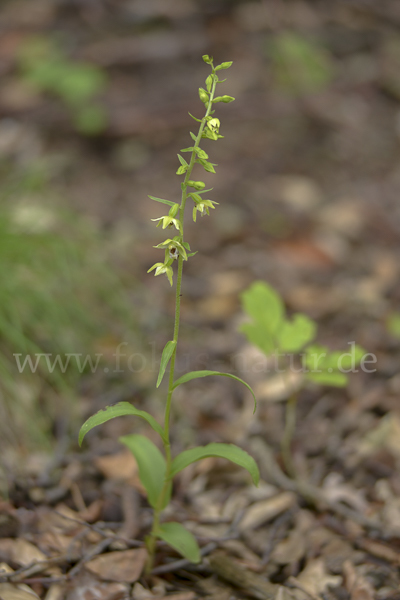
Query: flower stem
pixel 151 539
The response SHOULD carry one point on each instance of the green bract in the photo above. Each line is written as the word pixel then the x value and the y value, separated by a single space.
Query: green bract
pixel 156 469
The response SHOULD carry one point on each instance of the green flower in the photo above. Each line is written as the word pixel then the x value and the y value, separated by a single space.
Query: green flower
pixel 174 247
pixel 203 207
pixel 163 268
pixel 168 221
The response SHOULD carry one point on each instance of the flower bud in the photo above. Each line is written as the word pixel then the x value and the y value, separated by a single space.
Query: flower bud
pixel 197 185
pixel 203 95
pixel 174 210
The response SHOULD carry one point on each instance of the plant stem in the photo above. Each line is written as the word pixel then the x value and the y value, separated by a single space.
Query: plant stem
pixel 151 540
pixel 290 426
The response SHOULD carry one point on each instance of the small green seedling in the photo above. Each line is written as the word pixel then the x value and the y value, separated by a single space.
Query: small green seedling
pixel 157 469
pixel 299 67
pixel 393 324
pixel 76 84
pixel 274 333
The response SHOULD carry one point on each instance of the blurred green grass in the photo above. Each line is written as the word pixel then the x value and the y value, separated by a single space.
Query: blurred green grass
pixel 59 294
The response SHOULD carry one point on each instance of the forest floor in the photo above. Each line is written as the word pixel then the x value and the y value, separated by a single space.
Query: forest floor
pixel 308 184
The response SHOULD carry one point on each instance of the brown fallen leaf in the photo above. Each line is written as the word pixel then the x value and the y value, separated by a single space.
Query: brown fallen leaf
pixel 314 579
pixel 265 510
pixel 357 586
pixel 11 591
pixel 125 566
pixel 14 591
pixel 117 466
pixel 290 550
pixel 87 587
pixel 254 585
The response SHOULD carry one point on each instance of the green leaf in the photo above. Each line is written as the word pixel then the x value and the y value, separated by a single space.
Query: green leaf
pixel 197 374
pixel 224 65
pixel 179 538
pixel 264 305
pixel 165 357
pixel 190 149
pixel 162 201
pixel 320 358
pixel 335 378
pixel 118 410
pixel 151 465
pixel 293 336
pixel 194 138
pixel 228 451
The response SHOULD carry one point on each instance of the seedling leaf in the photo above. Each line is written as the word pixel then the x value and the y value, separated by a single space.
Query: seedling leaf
pixel 181 540
pixel 197 374
pixel 151 465
pixel 293 336
pixel 393 324
pixel 165 357
pixel 228 451
pixel 335 378
pixel 264 305
pixel 118 410
pixel 258 336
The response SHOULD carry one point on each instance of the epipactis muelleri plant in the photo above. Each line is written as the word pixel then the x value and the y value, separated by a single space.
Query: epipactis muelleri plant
pixel 157 469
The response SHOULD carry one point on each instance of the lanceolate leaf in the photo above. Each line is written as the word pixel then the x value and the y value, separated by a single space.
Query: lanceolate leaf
pixel 151 464
pixel 118 410
pixel 197 374
pixel 166 355
pixel 181 540
pixel 229 451
pixel 162 201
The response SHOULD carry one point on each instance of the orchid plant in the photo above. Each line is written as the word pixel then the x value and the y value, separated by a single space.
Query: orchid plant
pixel 157 468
